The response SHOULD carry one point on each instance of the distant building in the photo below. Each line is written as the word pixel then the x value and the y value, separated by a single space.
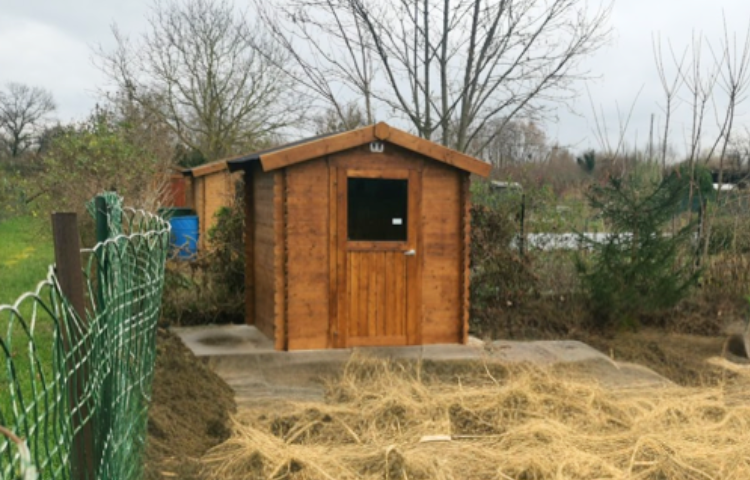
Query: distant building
pixel 503 186
pixel 725 186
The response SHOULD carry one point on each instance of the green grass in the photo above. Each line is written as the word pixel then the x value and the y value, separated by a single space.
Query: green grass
pixel 25 255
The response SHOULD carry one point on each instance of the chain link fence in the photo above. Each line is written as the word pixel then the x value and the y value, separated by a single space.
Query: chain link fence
pixel 75 389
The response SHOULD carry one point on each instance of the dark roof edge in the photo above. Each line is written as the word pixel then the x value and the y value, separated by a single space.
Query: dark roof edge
pixel 242 163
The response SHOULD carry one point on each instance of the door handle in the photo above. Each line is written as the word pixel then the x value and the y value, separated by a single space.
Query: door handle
pixel 410 253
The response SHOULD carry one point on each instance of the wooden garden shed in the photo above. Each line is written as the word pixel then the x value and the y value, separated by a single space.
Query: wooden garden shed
pixel 209 188
pixel 359 238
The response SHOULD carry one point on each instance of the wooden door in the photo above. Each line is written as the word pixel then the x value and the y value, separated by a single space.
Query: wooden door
pixel 379 259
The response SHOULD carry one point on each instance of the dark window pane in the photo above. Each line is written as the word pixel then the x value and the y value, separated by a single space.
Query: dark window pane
pixel 377 209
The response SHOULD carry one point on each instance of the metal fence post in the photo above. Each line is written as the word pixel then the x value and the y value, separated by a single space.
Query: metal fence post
pixel 522 238
pixel 69 274
pixel 101 215
pixel 104 417
pixel 101 209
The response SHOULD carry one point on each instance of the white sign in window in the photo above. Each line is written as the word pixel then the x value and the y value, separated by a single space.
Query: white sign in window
pixel 398 221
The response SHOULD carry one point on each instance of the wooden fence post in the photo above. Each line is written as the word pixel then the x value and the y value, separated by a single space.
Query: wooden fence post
pixel 69 274
pixel 68 259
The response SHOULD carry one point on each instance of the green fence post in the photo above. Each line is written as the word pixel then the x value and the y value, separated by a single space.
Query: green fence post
pixel 104 414
pixel 101 216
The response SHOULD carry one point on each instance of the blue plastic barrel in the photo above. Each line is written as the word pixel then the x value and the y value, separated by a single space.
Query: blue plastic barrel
pixel 185 235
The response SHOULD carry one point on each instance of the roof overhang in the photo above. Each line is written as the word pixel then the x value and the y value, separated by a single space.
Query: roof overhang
pixel 305 150
pixel 205 169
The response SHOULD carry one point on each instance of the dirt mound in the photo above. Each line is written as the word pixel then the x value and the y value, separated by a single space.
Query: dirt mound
pixel 189 413
pixel 681 358
pixel 388 421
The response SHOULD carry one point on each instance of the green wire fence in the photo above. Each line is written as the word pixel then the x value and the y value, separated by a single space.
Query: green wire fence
pixel 75 388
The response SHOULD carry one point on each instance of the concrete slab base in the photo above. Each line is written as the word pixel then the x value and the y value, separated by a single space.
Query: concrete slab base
pixel 247 361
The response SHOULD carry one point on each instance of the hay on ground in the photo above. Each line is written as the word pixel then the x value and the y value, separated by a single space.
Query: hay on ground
pixel 385 420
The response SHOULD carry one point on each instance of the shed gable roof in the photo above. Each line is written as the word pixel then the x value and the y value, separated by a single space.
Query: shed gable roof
pixel 235 163
pixel 205 169
pixel 321 146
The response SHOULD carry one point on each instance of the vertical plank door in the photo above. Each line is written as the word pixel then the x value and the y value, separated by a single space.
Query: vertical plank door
pixel 378 229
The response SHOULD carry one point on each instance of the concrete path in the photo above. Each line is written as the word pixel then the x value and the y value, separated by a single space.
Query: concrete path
pixel 246 360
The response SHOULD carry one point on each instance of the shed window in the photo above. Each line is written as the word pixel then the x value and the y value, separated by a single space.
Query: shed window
pixel 377 209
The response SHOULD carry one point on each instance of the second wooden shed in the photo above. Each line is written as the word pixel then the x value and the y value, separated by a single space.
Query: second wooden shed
pixel 209 188
pixel 358 238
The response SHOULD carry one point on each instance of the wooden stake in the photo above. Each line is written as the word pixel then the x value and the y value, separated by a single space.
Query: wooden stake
pixel 68 259
pixel 70 276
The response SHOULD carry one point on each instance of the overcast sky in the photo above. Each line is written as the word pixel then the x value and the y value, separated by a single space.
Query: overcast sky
pixel 49 43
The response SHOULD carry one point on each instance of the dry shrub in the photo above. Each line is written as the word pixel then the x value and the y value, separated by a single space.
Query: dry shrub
pixel 500 277
pixel 727 274
pixel 523 424
pixel 719 300
pixel 560 173
pixel 541 317
pixel 195 295
pixel 210 288
pixel 516 295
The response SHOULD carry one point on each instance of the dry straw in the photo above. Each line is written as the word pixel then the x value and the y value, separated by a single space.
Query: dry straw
pixel 386 420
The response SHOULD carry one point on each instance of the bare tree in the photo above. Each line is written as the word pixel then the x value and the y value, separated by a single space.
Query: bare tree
pixel 740 146
pixel 700 82
pixel 716 86
pixel 512 142
pixel 670 87
pixel 347 117
pixel 615 156
pixel 733 63
pixel 200 68
pixel 22 112
pixel 447 67
pixel 734 80
pixel 330 51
